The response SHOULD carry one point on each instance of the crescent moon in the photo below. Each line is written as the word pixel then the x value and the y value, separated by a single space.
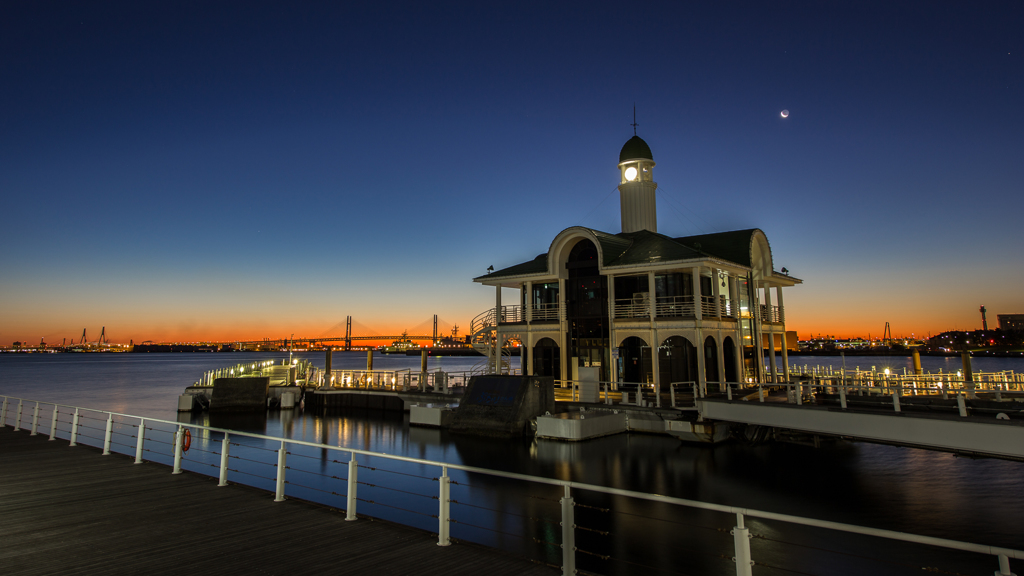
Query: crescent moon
pixel 784 114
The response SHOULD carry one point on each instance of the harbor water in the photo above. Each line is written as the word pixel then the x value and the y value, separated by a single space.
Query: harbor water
pixel 903 489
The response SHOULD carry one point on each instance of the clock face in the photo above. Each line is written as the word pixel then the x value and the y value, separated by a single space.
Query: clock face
pixel 631 173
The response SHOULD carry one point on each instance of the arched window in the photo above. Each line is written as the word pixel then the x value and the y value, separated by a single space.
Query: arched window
pixel 546 359
pixel 710 359
pixel 677 361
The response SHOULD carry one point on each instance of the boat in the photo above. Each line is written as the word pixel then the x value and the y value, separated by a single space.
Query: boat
pixel 400 346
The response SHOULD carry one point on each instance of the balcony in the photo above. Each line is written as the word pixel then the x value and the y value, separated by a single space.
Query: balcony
pixel 540 313
pixel 772 314
pixel 545 313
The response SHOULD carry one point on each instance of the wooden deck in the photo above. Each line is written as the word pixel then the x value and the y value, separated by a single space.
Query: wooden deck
pixel 69 510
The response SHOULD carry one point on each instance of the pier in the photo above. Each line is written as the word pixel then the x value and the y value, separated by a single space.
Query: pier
pixel 94 509
pixel 69 510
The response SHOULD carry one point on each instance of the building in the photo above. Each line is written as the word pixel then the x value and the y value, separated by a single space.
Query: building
pixel 641 306
pixel 1011 321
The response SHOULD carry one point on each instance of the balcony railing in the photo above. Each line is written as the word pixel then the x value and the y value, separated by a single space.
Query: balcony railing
pixel 542 312
pixel 511 315
pixel 674 306
pixel 772 314
pixel 635 307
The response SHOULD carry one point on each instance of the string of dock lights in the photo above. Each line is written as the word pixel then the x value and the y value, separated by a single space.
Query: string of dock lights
pixel 241 369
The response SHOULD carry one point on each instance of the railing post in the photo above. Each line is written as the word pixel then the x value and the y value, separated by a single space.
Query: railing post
pixel 1004 566
pixel 672 394
pixel 961 405
pixel 282 455
pixel 3 414
pixel 177 451
pixel 74 429
pixel 741 539
pixel 728 391
pixel 224 444
pixel 896 401
pixel 35 421
pixel 568 534
pixel 350 497
pixel 53 424
pixel 444 508
pixel 842 397
pixel 107 433
pixel 17 421
pixel 141 441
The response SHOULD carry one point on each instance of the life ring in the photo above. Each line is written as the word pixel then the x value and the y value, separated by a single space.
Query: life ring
pixel 186 440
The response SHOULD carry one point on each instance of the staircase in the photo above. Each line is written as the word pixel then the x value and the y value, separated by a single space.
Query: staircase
pixel 484 331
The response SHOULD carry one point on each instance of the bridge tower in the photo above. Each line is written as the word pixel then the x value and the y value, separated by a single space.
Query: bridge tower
pixel 348 333
pixel 984 319
pixel 435 329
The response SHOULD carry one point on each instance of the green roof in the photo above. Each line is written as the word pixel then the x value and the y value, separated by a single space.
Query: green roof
pixel 644 247
pixel 538 265
pixel 635 148
pixel 732 246
pixel 649 248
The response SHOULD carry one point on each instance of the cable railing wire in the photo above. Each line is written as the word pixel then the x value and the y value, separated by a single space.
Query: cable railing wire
pixel 851 554
pixel 396 507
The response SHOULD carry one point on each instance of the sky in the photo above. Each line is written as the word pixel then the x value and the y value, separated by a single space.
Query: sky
pixel 179 171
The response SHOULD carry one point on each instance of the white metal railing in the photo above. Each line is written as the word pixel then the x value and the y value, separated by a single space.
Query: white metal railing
pixel 707 306
pixel 549 311
pixel 303 370
pixel 741 535
pixel 631 308
pixel 840 390
pixel 771 313
pixel 511 314
pixel 674 306
pixel 402 380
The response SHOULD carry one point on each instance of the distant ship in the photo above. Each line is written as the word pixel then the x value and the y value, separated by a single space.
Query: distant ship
pixel 401 346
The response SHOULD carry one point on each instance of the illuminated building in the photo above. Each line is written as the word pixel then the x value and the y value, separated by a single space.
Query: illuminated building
pixel 640 305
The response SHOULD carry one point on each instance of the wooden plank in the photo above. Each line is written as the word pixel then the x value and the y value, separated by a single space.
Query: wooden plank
pixel 69 510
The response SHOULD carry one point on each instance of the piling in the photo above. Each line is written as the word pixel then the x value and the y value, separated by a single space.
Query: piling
pixel 327 368
pixel 423 370
pixel 916 354
pixel 968 374
pixel 369 360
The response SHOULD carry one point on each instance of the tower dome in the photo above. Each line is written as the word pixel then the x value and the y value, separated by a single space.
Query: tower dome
pixel 637 186
pixel 635 149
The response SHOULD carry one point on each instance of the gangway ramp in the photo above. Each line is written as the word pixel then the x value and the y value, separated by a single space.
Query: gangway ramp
pixel 980 435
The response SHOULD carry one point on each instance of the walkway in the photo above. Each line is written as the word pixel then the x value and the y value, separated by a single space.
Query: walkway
pixel 69 510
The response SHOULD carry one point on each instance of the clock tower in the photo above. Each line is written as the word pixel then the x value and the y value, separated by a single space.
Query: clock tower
pixel 637 187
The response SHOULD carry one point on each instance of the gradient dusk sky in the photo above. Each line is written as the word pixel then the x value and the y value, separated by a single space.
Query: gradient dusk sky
pixel 230 170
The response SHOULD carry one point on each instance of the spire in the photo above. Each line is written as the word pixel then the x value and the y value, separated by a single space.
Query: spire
pixel 634 124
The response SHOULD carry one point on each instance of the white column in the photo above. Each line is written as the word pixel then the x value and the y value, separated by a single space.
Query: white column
pixel 655 343
pixel 721 356
pixel 496 361
pixel 756 335
pixel 771 332
pixel 785 343
pixel 526 357
pixel 771 354
pixel 698 309
pixel 716 291
pixel 563 326
pixel 613 367
pixel 702 378
pixel 734 299
pixel 528 303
